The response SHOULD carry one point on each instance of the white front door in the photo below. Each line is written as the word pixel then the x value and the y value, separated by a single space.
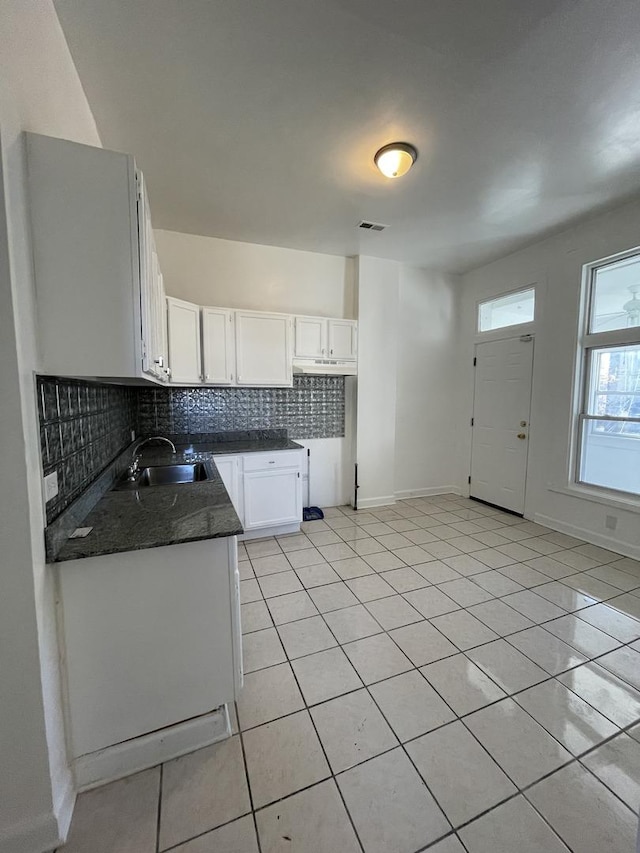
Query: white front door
pixel 501 407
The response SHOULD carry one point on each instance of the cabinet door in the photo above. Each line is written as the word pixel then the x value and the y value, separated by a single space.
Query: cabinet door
pixel 272 498
pixel 343 339
pixel 263 349
pixel 183 327
pixel 147 267
pixel 152 296
pixel 311 337
pixel 229 470
pixel 218 352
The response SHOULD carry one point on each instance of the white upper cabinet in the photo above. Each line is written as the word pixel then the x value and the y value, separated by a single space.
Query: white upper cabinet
pixel 343 340
pixel 183 326
pixel 263 349
pixel 310 337
pixel 152 297
pixel 218 346
pixel 98 293
pixel 326 339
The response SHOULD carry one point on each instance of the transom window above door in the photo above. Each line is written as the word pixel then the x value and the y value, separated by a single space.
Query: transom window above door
pixel 608 451
pixel 511 309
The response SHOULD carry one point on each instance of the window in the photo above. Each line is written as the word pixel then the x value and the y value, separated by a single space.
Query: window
pixel 510 310
pixel 609 440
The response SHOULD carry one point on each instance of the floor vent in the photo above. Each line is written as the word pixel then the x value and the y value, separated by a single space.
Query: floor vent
pixel 372 226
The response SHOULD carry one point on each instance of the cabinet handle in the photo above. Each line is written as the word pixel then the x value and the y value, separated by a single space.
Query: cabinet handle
pixel 159 361
pixel 331 352
pixel 207 377
pixel 231 377
pixel 168 371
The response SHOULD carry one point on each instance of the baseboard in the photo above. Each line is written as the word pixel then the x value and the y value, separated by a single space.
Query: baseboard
pixel 366 503
pixel 40 833
pixel 64 806
pixel 137 754
pixel 427 493
pixel 262 532
pixel 608 542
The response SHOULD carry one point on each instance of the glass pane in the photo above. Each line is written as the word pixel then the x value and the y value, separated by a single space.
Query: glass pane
pixel 611 455
pixel 510 310
pixel 615 382
pixel 615 296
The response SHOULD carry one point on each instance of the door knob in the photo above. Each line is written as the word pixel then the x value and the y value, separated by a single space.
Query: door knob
pixel 521 435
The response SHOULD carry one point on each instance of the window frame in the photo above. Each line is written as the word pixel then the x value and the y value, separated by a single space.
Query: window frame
pixel 514 328
pixel 588 343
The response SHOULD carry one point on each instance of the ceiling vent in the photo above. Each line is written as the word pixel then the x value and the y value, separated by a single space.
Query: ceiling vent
pixel 372 226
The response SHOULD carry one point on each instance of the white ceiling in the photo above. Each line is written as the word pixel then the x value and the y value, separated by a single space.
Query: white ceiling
pixel 258 121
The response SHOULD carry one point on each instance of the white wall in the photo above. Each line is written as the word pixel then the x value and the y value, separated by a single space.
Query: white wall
pixel 427 399
pixel 231 274
pixel 39 91
pixel 378 294
pixel 556 265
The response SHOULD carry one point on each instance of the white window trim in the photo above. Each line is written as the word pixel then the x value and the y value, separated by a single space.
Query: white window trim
pixel 507 331
pixel 587 341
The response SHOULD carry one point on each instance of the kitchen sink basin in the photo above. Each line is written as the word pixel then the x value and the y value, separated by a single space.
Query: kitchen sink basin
pixel 166 475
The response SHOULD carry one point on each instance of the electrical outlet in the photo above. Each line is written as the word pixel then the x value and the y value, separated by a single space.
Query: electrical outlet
pixel 50 486
pixel 611 522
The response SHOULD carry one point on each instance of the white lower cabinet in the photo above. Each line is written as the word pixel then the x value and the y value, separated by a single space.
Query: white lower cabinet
pixel 230 470
pixel 151 648
pixel 265 488
pixel 272 497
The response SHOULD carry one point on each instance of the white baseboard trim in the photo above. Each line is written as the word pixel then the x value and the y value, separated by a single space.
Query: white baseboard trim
pixel 39 833
pixel 366 503
pixel 137 754
pixel 608 542
pixel 427 493
pixel 64 806
pixel 278 530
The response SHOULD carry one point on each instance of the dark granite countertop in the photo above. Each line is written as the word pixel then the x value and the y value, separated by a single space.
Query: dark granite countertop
pixel 219 448
pixel 132 520
pixel 150 517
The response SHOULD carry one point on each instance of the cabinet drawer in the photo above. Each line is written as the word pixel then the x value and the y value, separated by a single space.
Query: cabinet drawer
pixel 270 461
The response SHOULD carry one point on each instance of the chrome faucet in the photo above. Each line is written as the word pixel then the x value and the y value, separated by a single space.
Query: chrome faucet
pixel 134 467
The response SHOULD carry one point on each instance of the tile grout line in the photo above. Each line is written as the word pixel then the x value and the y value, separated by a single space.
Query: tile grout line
pixel 572 759
pixel 159 816
pixel 590 660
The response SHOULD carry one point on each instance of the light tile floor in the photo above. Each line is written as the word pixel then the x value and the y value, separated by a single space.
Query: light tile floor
pixel 433 675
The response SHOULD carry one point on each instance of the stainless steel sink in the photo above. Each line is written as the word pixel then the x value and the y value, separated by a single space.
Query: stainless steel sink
pixel 166 475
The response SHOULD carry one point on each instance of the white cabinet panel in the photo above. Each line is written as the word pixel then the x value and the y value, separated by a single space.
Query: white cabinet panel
pixel 272 497
pixel 263 348
pixel 343 339
pixel 218 350
pixel 230 470
pixel 183 326
pixel 152 296
pixel 150 639
pixel 310 337
pixel 97 284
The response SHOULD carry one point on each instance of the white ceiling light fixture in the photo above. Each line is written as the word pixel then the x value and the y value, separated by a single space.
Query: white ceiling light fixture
pixel 395 159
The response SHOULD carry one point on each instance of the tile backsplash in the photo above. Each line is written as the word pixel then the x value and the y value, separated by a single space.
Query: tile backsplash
pixel 313 408
pixel 83 426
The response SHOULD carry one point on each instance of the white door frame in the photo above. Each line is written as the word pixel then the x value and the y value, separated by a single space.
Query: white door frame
pixel 494 337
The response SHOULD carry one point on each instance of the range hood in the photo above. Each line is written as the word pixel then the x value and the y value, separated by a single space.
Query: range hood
pixel 320 367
